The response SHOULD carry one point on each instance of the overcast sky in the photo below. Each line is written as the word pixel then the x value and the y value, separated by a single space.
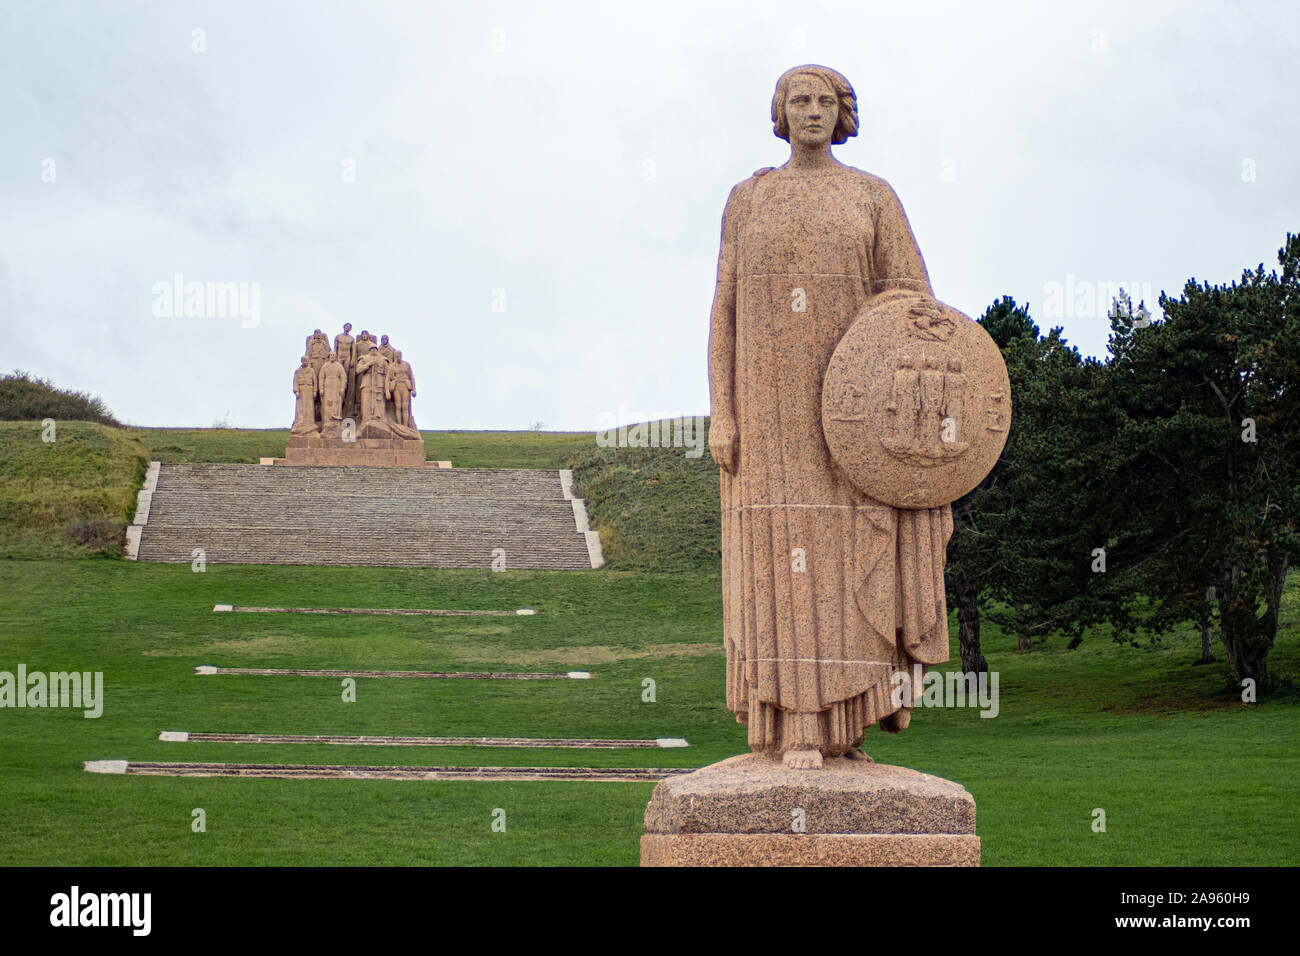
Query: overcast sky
pixel 526 196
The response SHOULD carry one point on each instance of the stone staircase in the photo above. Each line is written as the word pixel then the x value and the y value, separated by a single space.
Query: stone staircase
pixel 399 517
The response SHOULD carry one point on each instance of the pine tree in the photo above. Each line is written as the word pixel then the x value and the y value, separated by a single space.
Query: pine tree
pixel 1206 450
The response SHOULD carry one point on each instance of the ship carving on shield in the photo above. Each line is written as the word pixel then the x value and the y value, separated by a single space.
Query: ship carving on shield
pixel 927 320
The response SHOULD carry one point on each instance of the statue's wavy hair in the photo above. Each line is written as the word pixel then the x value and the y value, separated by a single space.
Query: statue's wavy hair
pixel 846 123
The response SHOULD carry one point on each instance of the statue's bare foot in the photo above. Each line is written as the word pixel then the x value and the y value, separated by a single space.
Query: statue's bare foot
pixel 803 759
pixel 856 754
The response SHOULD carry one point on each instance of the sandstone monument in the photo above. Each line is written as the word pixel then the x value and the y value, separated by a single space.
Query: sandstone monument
pixel 353 404
pixel 849 409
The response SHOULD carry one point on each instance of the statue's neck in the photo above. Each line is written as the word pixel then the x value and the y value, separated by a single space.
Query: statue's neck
pixel 811 158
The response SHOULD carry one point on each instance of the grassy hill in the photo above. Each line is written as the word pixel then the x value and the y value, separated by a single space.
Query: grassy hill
pixel 69 497
pixel 655 508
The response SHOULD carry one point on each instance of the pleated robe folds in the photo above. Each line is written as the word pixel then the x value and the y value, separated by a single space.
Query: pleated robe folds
pixel 826 593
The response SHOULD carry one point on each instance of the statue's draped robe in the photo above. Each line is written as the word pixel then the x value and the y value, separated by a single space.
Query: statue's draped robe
pixel 332 385
pixel 870 599
pixel 305 389
pixel 372 372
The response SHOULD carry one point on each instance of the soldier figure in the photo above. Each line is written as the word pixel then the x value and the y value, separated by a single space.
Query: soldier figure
pixel 362 346
pixel 318 350
pixel 371 378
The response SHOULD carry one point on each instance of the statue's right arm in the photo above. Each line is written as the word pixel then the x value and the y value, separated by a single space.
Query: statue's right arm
pixel 724 437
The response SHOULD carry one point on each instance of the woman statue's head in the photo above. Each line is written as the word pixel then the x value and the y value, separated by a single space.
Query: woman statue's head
pixel 846 101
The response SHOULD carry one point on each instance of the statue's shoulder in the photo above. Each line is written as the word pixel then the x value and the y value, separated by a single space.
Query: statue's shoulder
pixel 868 181
pixel 746 184
pixel 738 198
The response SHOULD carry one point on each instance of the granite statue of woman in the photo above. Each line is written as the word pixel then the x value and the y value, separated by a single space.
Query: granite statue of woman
pixel 827 593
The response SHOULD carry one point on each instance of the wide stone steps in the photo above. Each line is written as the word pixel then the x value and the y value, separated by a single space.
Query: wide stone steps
pixel 406 517
pixel 307 479
pixel 274 512
pixel 400 549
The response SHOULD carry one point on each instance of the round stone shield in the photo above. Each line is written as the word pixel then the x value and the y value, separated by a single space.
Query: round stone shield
pixel 916 402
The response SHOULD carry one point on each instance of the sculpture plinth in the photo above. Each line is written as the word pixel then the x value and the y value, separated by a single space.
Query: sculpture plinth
pixel 392 452
pixel 754 811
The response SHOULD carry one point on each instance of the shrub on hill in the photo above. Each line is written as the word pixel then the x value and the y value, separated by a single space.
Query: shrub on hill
pixel 23 398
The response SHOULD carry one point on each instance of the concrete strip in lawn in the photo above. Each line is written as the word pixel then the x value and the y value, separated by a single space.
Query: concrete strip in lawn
pixel 584 743
pixel 344 772
pixel 207 670
pixel 400 611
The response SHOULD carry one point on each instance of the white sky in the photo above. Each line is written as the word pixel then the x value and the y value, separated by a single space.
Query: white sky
pixel 505 146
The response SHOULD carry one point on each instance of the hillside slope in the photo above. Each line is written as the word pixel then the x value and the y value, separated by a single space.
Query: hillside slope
pixel 69 497
pixel 655 508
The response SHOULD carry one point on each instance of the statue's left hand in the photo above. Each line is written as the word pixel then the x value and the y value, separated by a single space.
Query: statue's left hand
pixel 724 443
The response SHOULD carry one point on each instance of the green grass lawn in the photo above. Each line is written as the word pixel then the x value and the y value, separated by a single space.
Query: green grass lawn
pixel 1186 774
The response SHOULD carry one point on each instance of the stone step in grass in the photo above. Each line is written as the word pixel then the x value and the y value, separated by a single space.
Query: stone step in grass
pixel 580 743
pixel 394 611
pixel 210 670
pixel 158 768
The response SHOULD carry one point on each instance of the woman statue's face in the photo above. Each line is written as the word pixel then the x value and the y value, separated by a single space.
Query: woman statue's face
pixel 811 111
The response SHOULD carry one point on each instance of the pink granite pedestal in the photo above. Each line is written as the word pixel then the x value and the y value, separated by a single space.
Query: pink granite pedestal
pixel 393 452
pixel 753 811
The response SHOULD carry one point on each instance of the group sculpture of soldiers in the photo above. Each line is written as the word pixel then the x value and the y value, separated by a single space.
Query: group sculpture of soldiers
pixel 360 380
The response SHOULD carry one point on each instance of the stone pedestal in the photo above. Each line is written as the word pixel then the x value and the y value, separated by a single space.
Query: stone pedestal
pixel 752 811
pixel 394 452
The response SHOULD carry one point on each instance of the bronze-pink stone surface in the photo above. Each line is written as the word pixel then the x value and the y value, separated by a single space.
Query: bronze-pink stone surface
pixel 827 591
pixel 916 402
pixel 353 404
pixel 822 849
pixel 754 811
